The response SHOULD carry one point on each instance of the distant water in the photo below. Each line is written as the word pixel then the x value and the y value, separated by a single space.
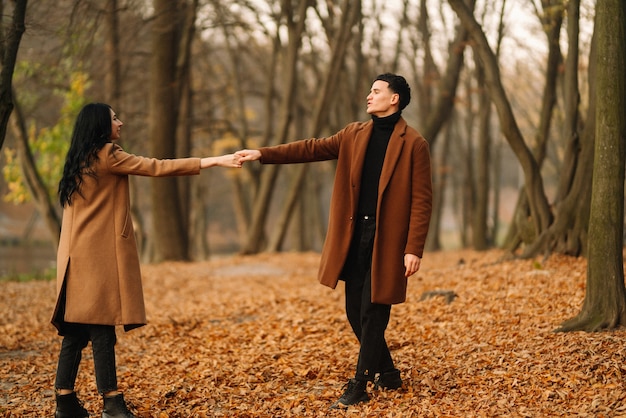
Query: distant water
pixel 26 259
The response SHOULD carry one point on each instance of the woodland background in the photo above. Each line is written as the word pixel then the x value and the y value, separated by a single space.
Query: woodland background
pixel 523 104
pixel 209 77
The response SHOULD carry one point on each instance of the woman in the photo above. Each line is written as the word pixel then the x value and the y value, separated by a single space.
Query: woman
pixel 98 276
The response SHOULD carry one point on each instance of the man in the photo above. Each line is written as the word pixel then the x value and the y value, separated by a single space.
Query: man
pixel 379 217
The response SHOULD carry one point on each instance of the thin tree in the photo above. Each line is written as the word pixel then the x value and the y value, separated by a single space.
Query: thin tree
pixel 32 178
pixel 351 14
pixel 604 306
pixel 551 18
pixel 295 21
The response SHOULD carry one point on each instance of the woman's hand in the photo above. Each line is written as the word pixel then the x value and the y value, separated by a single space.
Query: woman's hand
pixel 228 160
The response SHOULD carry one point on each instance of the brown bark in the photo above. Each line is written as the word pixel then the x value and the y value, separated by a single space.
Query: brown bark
pixel 296 25
pixel 552 19
pixel 170 238
pixel 113 75
pixel 447 86
pixel 480 239
pixel 351 14
pixel 538 202
pixel 604 306
pixel 9 45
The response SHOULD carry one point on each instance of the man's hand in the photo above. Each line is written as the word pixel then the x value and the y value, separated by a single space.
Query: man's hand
pixel 412 264
pixel 248 155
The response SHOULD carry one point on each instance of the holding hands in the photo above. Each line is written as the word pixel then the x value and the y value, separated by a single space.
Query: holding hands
pixel 248 155
pixel 235 160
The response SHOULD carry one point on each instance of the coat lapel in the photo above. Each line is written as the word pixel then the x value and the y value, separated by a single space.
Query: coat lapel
pixel 394 149
pixel 361 139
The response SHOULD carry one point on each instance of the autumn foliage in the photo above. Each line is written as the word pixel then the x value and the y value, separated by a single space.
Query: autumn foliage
pixel 257 336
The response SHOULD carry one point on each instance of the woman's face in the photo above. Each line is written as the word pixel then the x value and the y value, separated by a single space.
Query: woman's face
pixel 116 126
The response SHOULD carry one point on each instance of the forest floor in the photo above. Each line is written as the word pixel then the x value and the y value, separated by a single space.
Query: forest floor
pixel 258 336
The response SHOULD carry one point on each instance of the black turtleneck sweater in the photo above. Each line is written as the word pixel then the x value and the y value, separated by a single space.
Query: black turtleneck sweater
pixel 373 165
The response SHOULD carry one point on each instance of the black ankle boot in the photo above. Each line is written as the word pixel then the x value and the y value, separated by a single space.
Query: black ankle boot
pixel 115 407
pixel 68 406
pixel 355 392
pixel 390 380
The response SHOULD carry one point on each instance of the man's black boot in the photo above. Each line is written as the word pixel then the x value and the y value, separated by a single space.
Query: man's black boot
pixel 68 406
pixel 115 407
pixel 389 380
pixel 355 393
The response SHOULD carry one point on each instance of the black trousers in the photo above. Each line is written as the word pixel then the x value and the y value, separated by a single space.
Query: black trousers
pixel 76 337
pixel 368 320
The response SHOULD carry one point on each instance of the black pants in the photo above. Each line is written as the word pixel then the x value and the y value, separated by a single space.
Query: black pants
pixel 76 337
pixel 368 320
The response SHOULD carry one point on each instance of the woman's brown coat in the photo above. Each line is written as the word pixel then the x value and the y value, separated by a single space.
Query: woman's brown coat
pixel 404 201
pixel 98 276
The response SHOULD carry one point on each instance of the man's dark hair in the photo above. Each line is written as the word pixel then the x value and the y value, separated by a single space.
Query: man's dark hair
pixel 398 85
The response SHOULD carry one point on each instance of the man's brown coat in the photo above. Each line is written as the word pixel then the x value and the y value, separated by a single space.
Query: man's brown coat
pixel 404 201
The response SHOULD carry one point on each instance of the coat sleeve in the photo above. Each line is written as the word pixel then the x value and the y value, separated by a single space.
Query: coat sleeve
pixel 309 150
pixel 122 163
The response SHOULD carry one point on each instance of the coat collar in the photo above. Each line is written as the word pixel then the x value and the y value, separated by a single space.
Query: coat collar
pixel 394 149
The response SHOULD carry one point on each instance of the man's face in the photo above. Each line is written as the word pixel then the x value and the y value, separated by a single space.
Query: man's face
pixel 382 101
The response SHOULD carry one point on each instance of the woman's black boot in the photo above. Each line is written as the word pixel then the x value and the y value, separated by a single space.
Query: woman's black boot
pixel 115 407
pixel 68 406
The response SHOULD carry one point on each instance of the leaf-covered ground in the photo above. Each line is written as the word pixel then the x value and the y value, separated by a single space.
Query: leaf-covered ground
pixel 258 336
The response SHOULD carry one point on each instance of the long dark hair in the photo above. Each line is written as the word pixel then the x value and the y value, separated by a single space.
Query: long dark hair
pixel 92 131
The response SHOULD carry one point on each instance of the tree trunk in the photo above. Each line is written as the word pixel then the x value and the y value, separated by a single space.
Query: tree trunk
pixel 465 154
pixel 170 238
pixel 351 15
pixel 538 202
pixel 604 306
pixel 552 20
pixel 480 239
pixel 34 182
pixel 9 44
pixel 571 102
pixel 184 135
pixel 113 74
pixel 440 182
pixel 568 232
pixel 256 233
pixel 447 87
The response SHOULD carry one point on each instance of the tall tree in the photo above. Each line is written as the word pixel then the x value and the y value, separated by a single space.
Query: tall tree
pixel 32 178
pixel 568 232
pixel 295 21
pixel 551 17
pixel 605 298
pixel 439 108
pixel 10 37
pixel 540 212
pixel 351 14
pixel 170 237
